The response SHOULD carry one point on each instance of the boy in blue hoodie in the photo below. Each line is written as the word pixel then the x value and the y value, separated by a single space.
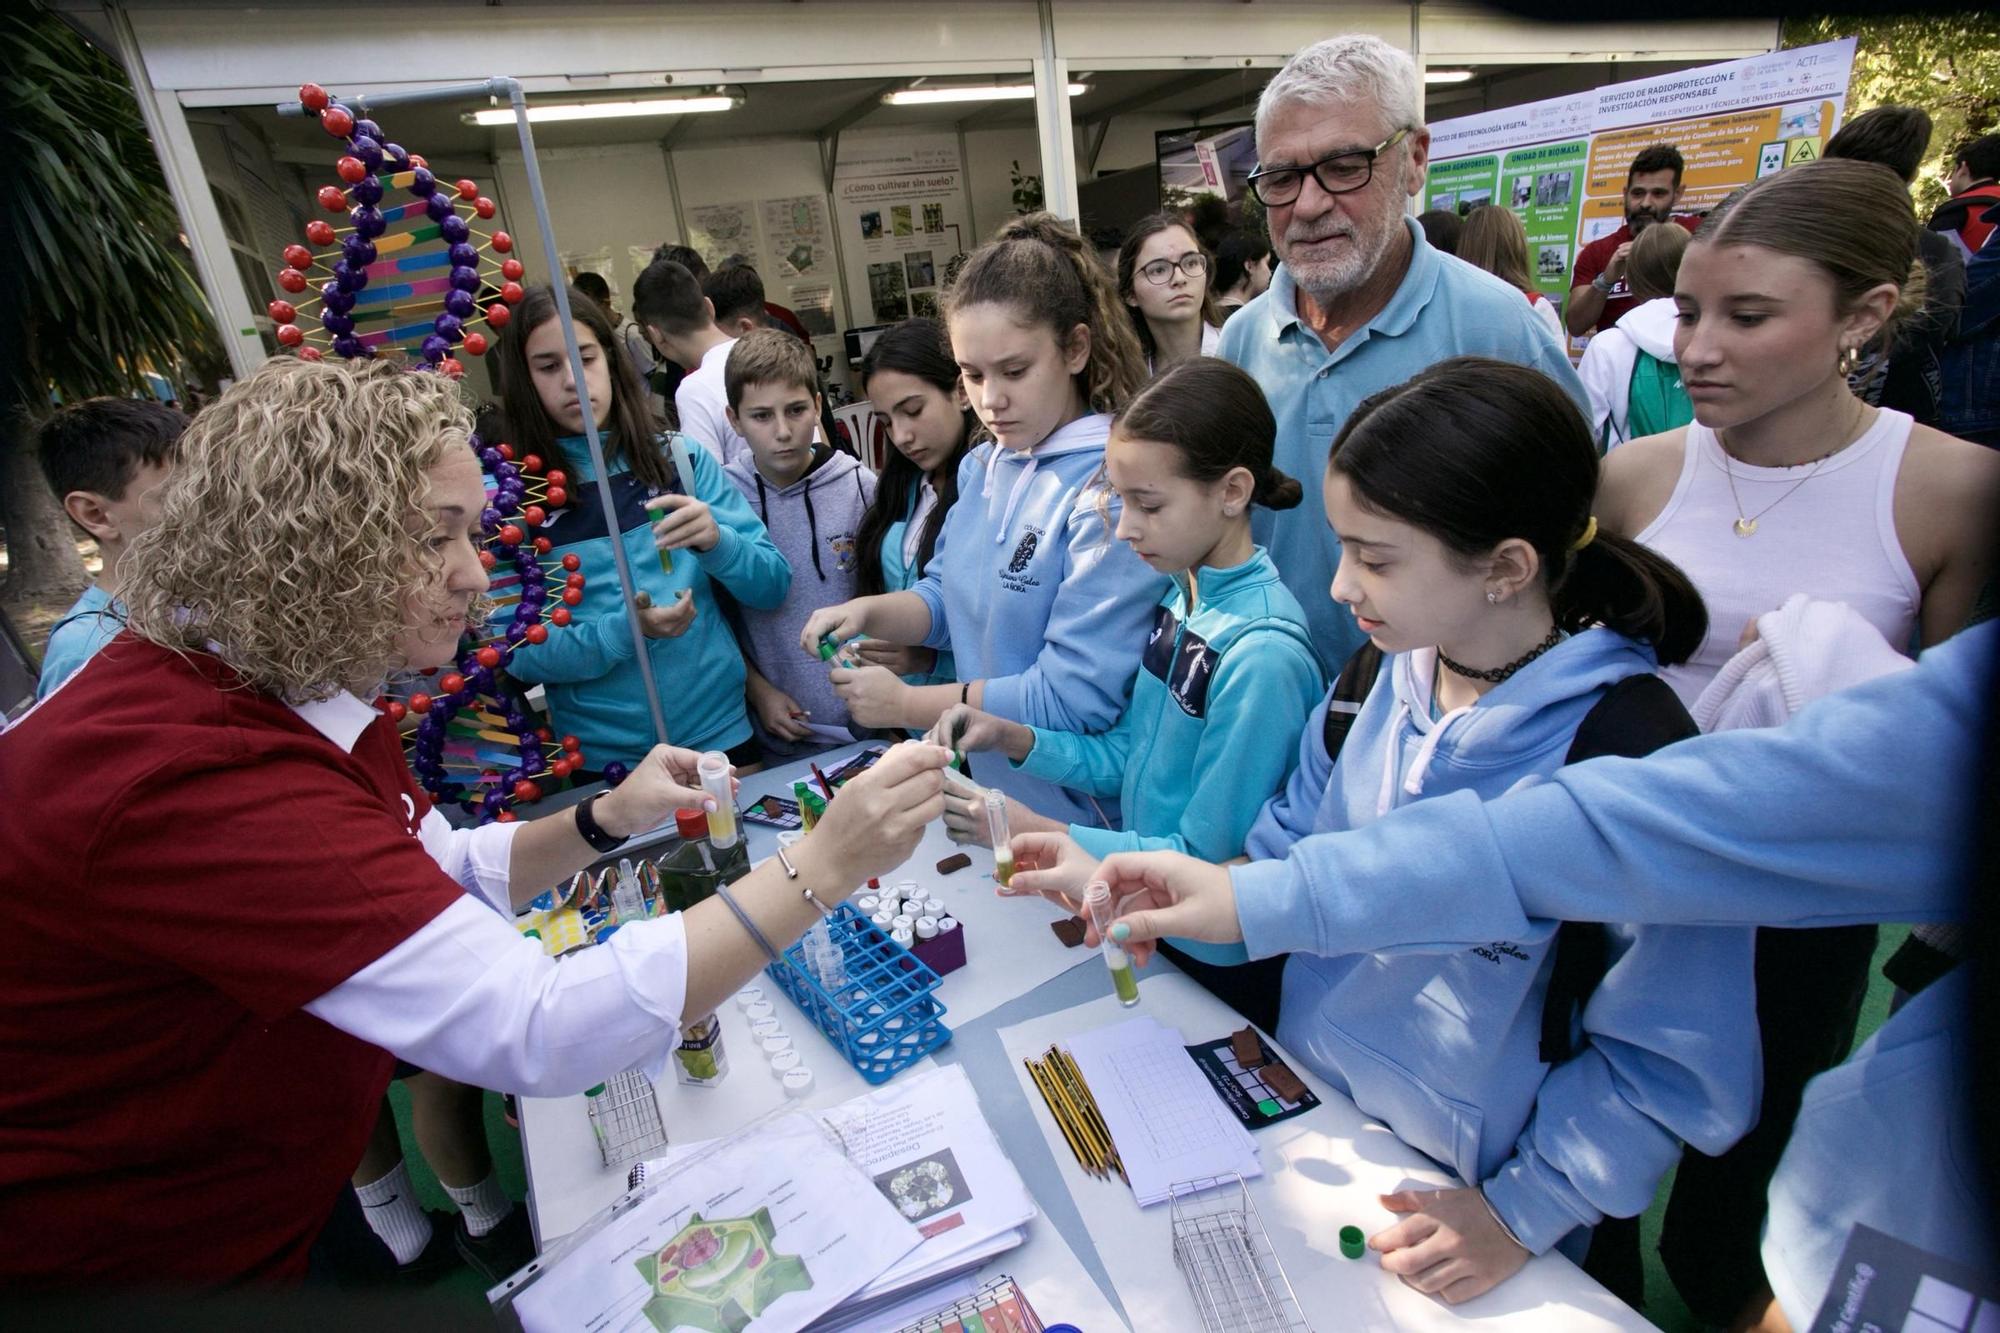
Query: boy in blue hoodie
pixel 812 500
pixel 686 532
pixel 103 458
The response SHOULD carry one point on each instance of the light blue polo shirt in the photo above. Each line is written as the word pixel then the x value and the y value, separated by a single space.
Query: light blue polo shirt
pixel 1443 308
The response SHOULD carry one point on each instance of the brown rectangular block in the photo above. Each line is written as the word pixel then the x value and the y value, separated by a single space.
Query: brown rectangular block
pixel 1069 930
pixel 956 861
pixel 1249 1051
pixel 1281 1080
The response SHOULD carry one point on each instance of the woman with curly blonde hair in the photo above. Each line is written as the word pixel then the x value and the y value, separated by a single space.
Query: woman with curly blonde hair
pixel 233 905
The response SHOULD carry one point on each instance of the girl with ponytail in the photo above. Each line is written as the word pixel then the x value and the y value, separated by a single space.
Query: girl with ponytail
pixel 1229 673
pixel 1043 612
pixel 1785 482
pixel 1557 1072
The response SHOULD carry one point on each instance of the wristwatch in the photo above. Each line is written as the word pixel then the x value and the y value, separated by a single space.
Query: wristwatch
pixel 1603 283
pixel 587 827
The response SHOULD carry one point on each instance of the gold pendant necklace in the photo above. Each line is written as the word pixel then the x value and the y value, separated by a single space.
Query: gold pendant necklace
pixel 1746 524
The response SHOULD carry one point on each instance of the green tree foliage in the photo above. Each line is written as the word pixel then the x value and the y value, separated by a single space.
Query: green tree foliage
pixel 97 285
pixel 1948 64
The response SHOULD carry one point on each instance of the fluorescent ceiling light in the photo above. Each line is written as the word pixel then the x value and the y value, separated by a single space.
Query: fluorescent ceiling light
pixel 653 106
pixel 1447 75
pixel 969 92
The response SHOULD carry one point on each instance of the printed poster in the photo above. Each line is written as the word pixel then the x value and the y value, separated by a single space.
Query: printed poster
pixel 900 204
pixel 717 231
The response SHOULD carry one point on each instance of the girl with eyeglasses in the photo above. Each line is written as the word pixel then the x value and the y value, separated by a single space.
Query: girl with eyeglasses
pixel 1163 281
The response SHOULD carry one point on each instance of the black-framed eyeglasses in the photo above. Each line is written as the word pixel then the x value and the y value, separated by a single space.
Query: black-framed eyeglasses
pixel 1194 263
pixel 1343 173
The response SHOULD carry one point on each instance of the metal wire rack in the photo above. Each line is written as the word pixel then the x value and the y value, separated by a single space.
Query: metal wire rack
pixel 625 1117
pixel 1222 1250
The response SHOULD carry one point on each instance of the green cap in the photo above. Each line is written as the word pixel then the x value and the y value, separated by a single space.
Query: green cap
pixel 1352 1243
pixel 599 1090
pixel 827 647
pixel 531 934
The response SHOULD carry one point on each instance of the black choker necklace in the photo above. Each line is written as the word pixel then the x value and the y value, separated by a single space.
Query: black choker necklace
pixel 1500 673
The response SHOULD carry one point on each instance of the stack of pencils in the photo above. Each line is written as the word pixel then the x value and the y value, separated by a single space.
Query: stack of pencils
pixel 1061 1084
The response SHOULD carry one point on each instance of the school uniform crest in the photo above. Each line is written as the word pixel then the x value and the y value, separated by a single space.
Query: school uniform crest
pixel 1158 659
pixel 1193 668
pixel 843 552
pixel 1024 552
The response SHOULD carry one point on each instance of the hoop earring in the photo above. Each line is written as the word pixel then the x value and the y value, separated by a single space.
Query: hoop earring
pixel 1492 597
pixel 1850 361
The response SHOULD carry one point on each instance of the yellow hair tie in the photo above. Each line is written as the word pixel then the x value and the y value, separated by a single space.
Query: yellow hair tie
pixel 1589 535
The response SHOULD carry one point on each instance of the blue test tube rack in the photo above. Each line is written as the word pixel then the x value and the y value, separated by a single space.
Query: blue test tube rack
pixel 887 1017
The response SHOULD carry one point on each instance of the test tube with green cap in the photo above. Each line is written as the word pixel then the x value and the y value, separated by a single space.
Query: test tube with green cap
pixel 1097 901
pixel 996 824
pixel 828 646
pixel 713 770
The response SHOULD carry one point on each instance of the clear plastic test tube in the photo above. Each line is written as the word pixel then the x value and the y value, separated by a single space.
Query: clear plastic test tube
pixel 1097 901
pixel 713 769
pixel 996 824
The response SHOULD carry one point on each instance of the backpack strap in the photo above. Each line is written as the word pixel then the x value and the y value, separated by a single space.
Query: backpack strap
pixel 1350 691
pixel 1638 715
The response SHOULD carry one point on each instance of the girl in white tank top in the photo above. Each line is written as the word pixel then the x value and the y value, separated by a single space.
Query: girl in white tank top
pixel 1827 529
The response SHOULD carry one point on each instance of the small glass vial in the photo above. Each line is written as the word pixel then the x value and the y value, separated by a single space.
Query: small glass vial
pixel 996 824
pixel 1097 901
pixel 699 1061
pixel 628 900
pixel 713 769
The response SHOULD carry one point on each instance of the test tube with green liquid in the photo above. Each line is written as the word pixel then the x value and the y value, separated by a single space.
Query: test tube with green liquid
pixel 996 824
pixel 1097 901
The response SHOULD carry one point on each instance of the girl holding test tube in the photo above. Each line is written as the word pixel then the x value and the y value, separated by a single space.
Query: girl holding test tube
pixel 1043 612
pixel 1228 675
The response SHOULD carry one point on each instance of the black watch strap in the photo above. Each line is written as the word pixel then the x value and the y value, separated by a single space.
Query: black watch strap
pixel 586 824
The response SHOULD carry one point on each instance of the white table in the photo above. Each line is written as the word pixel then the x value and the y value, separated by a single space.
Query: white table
pixel 1021 989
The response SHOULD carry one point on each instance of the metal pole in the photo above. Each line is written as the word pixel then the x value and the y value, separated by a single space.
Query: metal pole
pixel 560 287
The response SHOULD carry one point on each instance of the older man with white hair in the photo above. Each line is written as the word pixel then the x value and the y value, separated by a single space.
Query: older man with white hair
pixel 1360 300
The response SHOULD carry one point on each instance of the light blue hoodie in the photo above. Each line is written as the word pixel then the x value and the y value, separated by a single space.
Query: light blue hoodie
pixel 1213 727
pixel 1034 596
pixel 593 681
pixel 1443 1046
pixel 1816 823
pixel 898 576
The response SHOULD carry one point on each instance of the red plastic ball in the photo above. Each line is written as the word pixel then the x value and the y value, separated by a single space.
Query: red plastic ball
pixel 467 188
pixel 561 768
pixel 489 657
pixel 420 703
pixel 545 733
pixel 351 169
pixel 571 596
pixel 419 160
pixel 525 790
pixel 311 354
pixel 572 744
pixel 291 335
pixel 313 97
pixel 498 314
pixel 536 634
pixel 506 451
pixel 506 817
pixel 558 497
pixel 558 477
pixel 475 344
pixel 488 560
pixel 452 367
pixel 511 534
pixel 483 207
pixel 396 711
pixel 573 581
pixel 535 516
pixel 543 546
pixel 512 269
pixel 559 616
pixel 319 231
pixel 572 562
pixel 512 293
pixel 297 256
pixel 281 312
pixel 291 280
pixel 334 200
pixel 532 463
pixel 337 120
pixel 502 243
pixel 452 683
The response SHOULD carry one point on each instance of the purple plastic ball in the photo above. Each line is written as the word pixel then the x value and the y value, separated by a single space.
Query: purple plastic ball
pixel 534 763
pixel 438 207
pixel 464 279
pixel 489 517
pixel 367 190
pixel 460 304
pixel 422 184
pixel 490 457
pixel 453 229
pixel 448 327
pixel 336 298
pixel 615 773
pixel 367 220
pixel 364 128
pixel 393 154
pixel 350 278
pixel 358 251
pixel 463 255
pixel 349 347
pixel 336 324
pixel 434 349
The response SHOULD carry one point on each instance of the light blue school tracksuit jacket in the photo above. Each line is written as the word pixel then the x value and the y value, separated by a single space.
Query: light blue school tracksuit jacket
pixel 1212 731
pixel 898 576
pixel 1443 1045
pixel 1863 808
pixel 1034 596
pixel 590 669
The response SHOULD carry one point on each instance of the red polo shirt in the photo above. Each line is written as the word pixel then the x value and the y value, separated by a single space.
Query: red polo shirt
pixel 1591 261
pixel 186 863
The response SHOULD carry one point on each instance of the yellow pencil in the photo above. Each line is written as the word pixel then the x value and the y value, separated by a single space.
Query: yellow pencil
pixel 1055 1112
pixel 1098 1149
pixel 1088 1104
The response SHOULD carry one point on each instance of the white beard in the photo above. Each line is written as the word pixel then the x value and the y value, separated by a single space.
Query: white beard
pixel 1369 239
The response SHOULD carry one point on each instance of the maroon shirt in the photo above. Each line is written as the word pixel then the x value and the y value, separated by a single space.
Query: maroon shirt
pixel 1591 261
